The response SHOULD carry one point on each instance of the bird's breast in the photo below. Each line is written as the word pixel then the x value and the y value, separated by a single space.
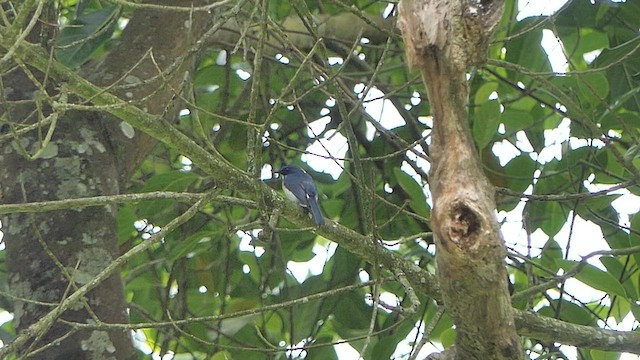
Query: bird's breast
pixel 291 196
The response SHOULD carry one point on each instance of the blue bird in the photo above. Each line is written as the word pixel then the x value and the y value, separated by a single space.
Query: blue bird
pixel 299 187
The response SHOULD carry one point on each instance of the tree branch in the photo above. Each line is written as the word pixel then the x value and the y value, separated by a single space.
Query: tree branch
pixel 229 177
pixel 67 204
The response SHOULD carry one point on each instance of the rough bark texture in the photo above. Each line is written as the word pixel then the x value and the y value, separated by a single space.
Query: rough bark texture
pixel 442 39
pixel 50 254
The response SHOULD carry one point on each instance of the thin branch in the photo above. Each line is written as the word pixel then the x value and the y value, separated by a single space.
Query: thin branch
pixel 213 318
pixel 171 9
pixel 44 206
pixel 567 197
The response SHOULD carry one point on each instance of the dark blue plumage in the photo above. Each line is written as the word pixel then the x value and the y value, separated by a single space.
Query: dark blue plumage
pixel 299 187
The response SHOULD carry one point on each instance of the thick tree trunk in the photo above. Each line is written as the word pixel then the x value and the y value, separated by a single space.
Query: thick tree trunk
pixel 46 251
pixel 49 255
pixel 442 39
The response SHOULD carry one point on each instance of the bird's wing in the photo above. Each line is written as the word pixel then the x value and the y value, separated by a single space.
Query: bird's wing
pixel 295 187
pixel 309 187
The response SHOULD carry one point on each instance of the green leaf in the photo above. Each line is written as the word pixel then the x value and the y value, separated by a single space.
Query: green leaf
pixel 635 310
pixel 485 122
pixel 78 40
pixel 448 338
pixel 613 170
pixel 190 244
pixel 551 252
pixel 297 246
pixel 171 181
pixel 515 120
pixel 578 41
pixel 604 355
pixel 384 348
pixel 414 190
pixel 526 50
pixel 596 278
pixel 484 92
pixel 519 172
pixel 327 352
pixel 222 355
pixel 192 356
pixel 353 314
pixel 342 266
pixel 547 216
pixel 445 324
pixel 571 312
pixel 126 218
pixel 621 74
pixel 593 88
pixel 177 181
pixel 618 310
pixel 617 270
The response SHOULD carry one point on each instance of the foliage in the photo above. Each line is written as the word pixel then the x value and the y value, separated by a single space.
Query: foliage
pixel 561 147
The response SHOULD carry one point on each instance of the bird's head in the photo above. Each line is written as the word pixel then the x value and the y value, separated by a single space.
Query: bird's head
pixel 289 169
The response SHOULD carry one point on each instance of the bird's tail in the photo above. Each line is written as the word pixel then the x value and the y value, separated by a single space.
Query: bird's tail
pixel 315 211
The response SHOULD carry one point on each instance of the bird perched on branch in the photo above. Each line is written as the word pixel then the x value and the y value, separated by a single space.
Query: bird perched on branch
pixel 299 187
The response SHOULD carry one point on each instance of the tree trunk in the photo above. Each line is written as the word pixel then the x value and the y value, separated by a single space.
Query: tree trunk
pixel 49 255
pixel 442 39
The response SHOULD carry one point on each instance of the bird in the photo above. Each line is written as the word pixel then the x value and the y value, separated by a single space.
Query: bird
pixel 299 187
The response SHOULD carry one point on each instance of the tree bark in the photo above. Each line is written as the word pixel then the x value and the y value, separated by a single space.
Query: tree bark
pixel 49 255
pixel 442 39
